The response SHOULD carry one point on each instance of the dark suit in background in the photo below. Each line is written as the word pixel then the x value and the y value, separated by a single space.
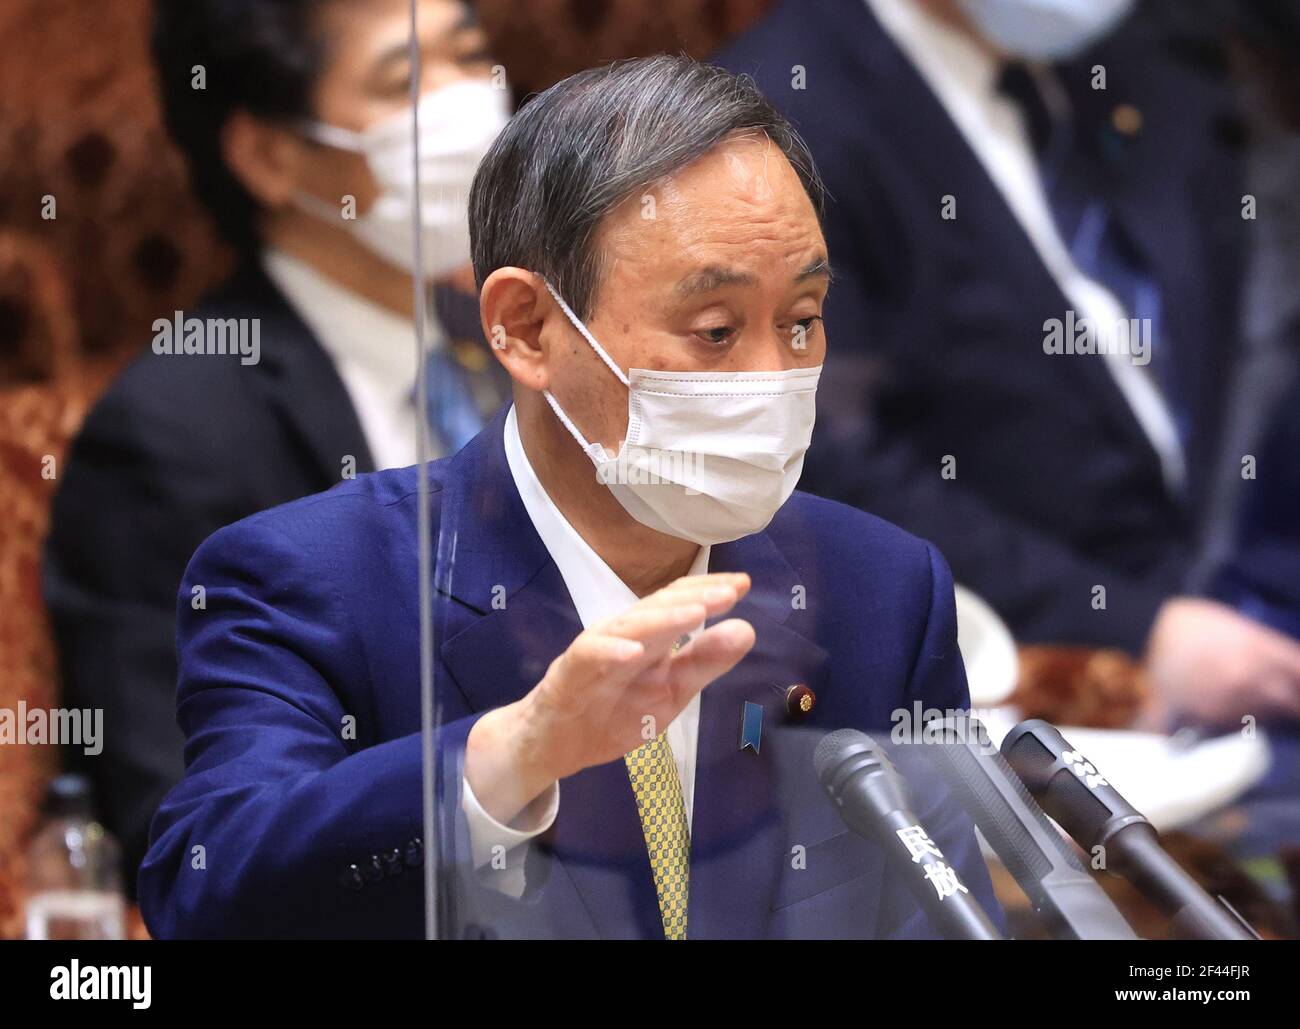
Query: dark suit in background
pixel 936 326
pixel 177 448
pixel 1261 577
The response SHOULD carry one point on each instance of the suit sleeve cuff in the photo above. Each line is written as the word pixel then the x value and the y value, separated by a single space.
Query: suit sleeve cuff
pixel 488 837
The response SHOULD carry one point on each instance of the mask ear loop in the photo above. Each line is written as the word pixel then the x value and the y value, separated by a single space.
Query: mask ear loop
pixel 353 140
pixel 333 135
pixel 316 207
pixel 586 334
pixel 593 449
pixel 567 422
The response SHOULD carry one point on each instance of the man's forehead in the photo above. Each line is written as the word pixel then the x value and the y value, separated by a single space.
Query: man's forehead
pixel 745 168
pixel 742 194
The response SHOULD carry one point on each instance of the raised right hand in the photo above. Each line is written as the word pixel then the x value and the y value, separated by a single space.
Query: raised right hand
pixel 618 684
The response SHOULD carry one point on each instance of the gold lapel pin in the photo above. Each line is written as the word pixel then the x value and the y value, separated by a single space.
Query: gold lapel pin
pixel 799 700
pixel 1126 119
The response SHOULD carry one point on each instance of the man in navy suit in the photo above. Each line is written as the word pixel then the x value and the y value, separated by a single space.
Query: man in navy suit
pixel 1004 172
pixel 624 578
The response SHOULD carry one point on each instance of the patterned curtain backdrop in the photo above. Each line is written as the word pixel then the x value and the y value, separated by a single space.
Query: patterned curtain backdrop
pixel 542 41
pixel 97 231
pixel 99 235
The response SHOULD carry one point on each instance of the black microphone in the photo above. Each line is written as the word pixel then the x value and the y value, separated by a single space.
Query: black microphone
pixel 1091 810
pixel 1061 891
pixel 874 801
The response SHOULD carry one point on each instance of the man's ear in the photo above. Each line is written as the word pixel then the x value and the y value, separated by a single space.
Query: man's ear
pixel 513 305
pixel 265 158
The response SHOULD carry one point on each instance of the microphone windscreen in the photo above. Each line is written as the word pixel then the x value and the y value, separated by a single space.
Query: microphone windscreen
pixel 833 749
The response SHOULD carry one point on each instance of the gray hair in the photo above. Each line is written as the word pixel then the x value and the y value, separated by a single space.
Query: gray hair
pixel 575 152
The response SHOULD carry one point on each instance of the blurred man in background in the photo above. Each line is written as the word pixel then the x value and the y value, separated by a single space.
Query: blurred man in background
pixel 1256 561
pixel 1038 237
pixel 296 119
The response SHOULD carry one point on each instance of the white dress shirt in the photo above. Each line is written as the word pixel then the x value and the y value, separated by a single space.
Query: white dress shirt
pixel 963 77
pixel 598 594
pixel 373 350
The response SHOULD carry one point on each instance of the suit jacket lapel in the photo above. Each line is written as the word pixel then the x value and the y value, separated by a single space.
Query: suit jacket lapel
pixel 1177 250
pixel 902 104
pixel 302 385
pixel 739 826
pixel 496 653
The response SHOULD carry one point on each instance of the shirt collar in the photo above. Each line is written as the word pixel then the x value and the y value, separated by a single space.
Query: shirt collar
pixel 950 61
pixel 596 590
pixel 356 334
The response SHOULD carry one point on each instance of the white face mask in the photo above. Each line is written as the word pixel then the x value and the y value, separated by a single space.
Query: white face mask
pixel 709 456
pixel 1045 30
pixel 458 124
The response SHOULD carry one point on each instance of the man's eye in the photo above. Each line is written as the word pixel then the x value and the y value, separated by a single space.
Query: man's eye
pixel 474 58
pixel 807 323
pixel 719 335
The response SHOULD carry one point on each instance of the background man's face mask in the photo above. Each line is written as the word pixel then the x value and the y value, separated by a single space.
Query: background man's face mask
pixel 1045 30
pixel 458 124
pixel 709 456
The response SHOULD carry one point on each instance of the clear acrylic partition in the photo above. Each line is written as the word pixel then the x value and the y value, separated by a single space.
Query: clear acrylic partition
pixel 769 855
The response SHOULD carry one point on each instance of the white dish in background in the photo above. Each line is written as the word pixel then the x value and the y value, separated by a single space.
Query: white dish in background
pixel 1170 782
pixel 987 650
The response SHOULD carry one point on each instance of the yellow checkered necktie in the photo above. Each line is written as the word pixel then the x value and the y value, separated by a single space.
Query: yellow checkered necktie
pixel 658 791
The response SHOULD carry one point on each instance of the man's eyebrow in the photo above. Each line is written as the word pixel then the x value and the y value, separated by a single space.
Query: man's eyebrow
pixel 401 51
pixel 706 280
pixel 818 267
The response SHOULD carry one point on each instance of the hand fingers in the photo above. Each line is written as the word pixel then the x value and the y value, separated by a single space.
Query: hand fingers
pixel 719 593
pixel 593 658
pixel 713 653
pixel 693 585
pixel 1281 694
pixel 616 652
pixel 655 627
pixel 612 653
pixel 1285 655
pixel 716 593
pixel 1154 714
pixel 736 580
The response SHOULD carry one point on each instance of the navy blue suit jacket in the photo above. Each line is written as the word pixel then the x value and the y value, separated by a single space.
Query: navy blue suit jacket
pixel 1261 577
pixel 172 451
pixel 936 324
pixel 311 617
